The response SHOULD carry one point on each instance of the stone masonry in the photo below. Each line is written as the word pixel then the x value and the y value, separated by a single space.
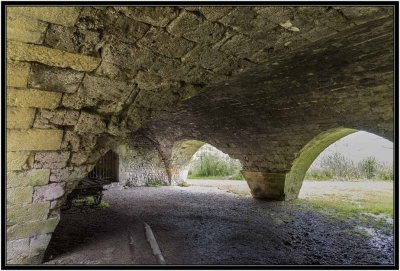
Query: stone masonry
pixel 270 86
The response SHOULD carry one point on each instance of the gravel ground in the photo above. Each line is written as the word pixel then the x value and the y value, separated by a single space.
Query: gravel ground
pixel 207 225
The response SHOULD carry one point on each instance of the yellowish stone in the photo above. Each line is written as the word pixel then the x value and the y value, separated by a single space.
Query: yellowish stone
pixel 17 74
pixel 34 139
pixel 53 57
pixel 59 15
pixel 20 118
pixel 33 98
pixel 16 160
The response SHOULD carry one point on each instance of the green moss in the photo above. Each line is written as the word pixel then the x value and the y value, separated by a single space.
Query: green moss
pixel 307 155
pixel 183 184
pixel 154 183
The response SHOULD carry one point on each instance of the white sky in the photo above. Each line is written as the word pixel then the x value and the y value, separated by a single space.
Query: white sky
pixel 360 145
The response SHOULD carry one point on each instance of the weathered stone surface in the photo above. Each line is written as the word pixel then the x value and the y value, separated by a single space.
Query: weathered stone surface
pixel 39 244
pixel 100 91
pixel 16 160
pixel 20 118
pixel 33 228
pixel 130 58
pixel 58 15
pixel 47 118
pixel 33 98
pixel 157 16
pixel 185 22
pixel 206 33
pixel 25 29
pixel 18 249
pixel 214 13
pixel 48 192
pixel 34 139
pixel 52 57
pixel 68 174
pixel 19 195
pixel 79 158
pixel 165 44
pixel 54 79
pixel 28 212
pixel 90 123
pixel 17 73
pixel 71 141
pixel 73 39
pixel 128 30
pixel 207 58
pixel 361 15
pixel 241 46
pixel 51 160
pixel 28 178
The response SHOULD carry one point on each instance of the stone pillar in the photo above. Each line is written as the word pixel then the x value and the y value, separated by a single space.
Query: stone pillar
pixel 264 185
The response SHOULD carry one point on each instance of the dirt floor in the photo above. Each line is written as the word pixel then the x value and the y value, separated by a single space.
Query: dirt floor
pixel 206 224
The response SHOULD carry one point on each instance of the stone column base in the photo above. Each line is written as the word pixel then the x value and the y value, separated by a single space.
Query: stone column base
pixel 268 186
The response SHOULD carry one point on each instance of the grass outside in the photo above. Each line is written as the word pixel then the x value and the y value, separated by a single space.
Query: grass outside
pixel 369 201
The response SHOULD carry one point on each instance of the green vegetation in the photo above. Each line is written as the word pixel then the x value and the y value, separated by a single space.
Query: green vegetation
pixel 212 166
pixel 154 183
pixel 336 166
pixel 183 184
pixel 89 201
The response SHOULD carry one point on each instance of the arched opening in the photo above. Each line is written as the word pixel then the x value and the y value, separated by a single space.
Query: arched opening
pixel 353 175
pixel 193 159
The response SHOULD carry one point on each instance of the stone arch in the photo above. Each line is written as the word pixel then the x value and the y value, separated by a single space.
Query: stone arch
pixel 182 152
pixel 304 158
pixel 76 83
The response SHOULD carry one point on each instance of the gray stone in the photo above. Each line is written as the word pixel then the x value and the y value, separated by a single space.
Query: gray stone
pixel 54 79
pixel 51 160
pixel 48 192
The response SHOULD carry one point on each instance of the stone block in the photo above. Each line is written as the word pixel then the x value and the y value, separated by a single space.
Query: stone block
pixel 52 57
pixel 157 16
pixel 39 243
pixel 59 15
pixel 106 89
pixel 54 79
pixel 33 98
pixel 47 118
pixel 16 160
pixel 19 195
pixel 185 22
pixel 214 13
pixel 17 73
pixel 28 212
pixel 73 39
pixel 34 139
pixel 169 68
pixel 166 44
pixel 17 249
pixel 127 57
pixel 48 192
pixel 241 46
pixel 68 174
pixel 71 141
pixel 25 29
pixel 31 229
pixel 266 185
pixel 52 160
pixel 208 32
pixel 207 57
pixel 128 30
pixel 28 178
pixel 20 118
pixel 90 123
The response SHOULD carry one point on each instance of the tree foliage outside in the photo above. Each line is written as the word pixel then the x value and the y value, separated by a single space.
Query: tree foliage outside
pixel 337 166
pixel 211 165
